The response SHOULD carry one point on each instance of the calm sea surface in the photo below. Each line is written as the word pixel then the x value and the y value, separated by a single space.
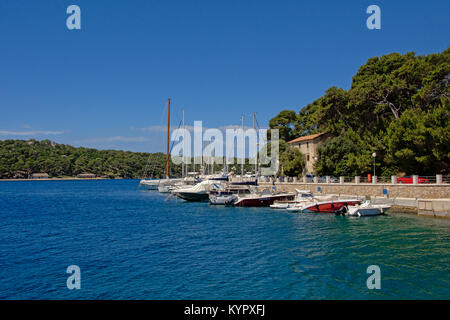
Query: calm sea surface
pixel 134 244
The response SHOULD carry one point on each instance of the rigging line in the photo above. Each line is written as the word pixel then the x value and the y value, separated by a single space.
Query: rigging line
pixel 173 142
pixel 257 123
pixel 150 154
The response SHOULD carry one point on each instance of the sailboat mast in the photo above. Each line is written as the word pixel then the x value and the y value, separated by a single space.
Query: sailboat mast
pixel 256 155
pixel 183 159
pixel 168 140
pixel 243 149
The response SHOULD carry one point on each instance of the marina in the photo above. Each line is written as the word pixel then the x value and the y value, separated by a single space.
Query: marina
pixel 224 156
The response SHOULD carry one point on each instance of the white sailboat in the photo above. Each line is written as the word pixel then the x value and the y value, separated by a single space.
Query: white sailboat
pixel 166 185
pixel 150 184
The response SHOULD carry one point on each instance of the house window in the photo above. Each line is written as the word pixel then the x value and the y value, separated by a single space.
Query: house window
pixel 307 157
pixel 307 145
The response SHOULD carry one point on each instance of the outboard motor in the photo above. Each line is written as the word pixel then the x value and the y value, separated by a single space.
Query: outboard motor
pixel 342 211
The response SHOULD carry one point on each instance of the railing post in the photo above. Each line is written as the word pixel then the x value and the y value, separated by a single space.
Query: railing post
pixel 327 179
pixel 439 179
pixel 357 180
pixel 278 179
pixel 294 180
pixel 374 180
pixel 394 179
pixel 341 180
pixel 304 179
pixel 316 179
pixel 415 179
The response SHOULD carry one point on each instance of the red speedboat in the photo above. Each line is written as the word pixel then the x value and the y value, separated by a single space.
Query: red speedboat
pixel 329 206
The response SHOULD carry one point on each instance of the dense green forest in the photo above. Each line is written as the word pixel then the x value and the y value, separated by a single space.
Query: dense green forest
pixel 19 158
pixel 397 106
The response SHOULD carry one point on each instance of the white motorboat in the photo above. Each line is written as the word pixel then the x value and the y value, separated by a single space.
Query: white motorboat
pixel 301 196
pixel 367 209
pixel 222 197
pixel 150 184
pixel 262 199
pixel 166 185
pixel 164 189
pixel 199 192
pixel 228 194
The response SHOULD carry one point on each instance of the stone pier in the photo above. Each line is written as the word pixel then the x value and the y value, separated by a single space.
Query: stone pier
pixel 414 191
pixel 431 200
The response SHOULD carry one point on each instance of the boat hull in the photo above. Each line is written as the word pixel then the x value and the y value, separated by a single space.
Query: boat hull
pixel 329 207
pixel 222 199
pixel 263 201
pixel 193 196
pixel 164 189
pixel 368 211
pixel 149 184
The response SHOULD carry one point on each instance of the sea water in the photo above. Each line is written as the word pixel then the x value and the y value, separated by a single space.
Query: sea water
pixel 136 244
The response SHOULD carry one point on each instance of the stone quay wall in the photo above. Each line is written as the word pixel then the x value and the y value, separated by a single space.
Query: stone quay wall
pixel 413 191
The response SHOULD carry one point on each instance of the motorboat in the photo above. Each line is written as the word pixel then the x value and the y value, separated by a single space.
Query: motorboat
pixel 166 185
pixel 332 205
pixel 222 197
pixel 263 199
pixel 229 194
pixel 150 184
pixel 301 196
pixel 198 192
pixel 182 185
pixel 367 209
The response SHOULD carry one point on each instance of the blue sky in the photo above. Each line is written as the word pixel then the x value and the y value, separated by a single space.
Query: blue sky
pixel 106 85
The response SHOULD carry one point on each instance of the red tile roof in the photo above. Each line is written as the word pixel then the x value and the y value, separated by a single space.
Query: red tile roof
pixel 307 138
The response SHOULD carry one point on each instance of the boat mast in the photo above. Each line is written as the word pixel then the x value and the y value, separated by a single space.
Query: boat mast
pixel 168 140
pixel 184 143
pixel 256 155
pixel 243 149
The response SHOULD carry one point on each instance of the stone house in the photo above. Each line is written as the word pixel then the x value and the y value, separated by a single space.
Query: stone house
pixel 309 145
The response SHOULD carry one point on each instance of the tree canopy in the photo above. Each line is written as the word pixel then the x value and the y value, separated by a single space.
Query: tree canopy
pixel 397 106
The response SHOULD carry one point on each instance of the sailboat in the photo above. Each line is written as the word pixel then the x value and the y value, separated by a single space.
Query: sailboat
pixel 156 184
pixel 166 185
pixel 150 184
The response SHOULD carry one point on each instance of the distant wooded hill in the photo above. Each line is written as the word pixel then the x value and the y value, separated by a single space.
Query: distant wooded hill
pixel 19 159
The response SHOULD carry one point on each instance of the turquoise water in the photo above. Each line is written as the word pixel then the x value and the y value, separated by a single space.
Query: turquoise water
pixel 134 244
